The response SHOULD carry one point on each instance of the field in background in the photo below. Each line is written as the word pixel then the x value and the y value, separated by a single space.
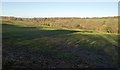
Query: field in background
pixel 103 24
pixel 57 43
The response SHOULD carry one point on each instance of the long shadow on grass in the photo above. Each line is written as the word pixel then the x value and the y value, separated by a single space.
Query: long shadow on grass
pixel 14 31
pixel 49 56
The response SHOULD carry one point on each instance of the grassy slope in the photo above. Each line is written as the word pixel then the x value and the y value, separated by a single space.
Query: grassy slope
pixel 24 46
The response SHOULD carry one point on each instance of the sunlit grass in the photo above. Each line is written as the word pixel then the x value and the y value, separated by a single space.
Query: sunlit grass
pixel 51 41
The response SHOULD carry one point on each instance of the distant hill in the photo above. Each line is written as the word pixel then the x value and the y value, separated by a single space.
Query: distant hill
pixel 102 24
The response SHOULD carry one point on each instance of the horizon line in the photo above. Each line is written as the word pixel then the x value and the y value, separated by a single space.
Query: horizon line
pixel 62 17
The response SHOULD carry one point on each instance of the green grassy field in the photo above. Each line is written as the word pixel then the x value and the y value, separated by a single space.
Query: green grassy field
pixel 46 47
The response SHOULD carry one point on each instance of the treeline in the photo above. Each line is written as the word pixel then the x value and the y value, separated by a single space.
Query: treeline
pixel 104 24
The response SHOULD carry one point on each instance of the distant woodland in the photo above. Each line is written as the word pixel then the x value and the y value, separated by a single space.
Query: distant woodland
pixel 102 24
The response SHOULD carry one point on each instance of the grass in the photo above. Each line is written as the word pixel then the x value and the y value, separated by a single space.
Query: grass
pixel 52 42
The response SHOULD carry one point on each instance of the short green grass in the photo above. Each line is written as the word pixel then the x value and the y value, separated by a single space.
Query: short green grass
pixel 52 40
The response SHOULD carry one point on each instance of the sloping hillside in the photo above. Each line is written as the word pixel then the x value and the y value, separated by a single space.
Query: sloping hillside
pixel 46 47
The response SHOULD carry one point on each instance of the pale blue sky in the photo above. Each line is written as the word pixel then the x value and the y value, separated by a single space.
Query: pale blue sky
pixel 59 0
pixel 60 9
